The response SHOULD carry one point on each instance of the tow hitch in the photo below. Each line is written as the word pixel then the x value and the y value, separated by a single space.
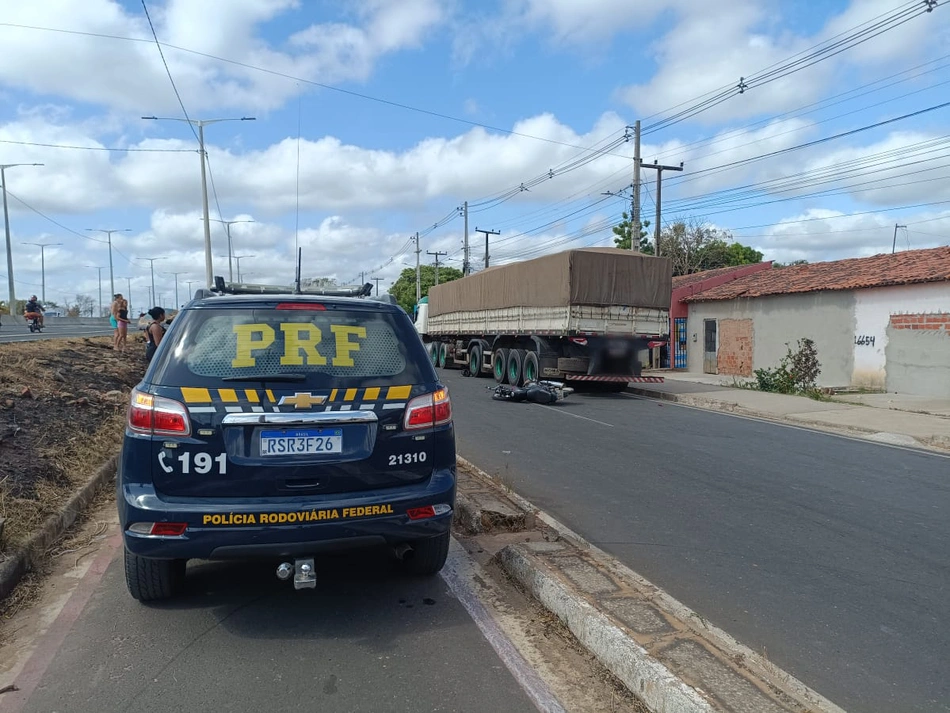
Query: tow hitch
pixel 305 576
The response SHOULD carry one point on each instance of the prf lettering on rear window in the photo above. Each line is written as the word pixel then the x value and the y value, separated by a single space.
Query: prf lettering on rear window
pixel 301 340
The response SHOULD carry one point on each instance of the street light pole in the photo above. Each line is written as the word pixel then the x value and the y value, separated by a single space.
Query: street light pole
pixel 129 296
pixel 190 283
pixel 151 262
pixel 237 259
pixel 227 225
pixel 176 274
pixel 6 227
pixel 201 124
pixel 109 236
pixel 42 247
pixel 100 269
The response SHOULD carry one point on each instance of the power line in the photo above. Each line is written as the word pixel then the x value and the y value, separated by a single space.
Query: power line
pixel 93 148
pixel 54 222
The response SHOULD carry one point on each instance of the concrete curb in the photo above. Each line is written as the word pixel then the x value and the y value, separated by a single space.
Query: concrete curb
pixel 646 677
pixel 936 443
pixel 31 551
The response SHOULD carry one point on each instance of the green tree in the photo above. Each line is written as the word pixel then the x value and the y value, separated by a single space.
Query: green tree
pixel 794 263
pixel 625 229
pixel 694 246
pixel 404 288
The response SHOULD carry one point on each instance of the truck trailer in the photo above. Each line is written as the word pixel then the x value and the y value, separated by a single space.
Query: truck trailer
pixel 581 315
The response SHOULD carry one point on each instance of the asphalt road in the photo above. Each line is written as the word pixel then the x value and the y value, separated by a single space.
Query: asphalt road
pixel 367 639
pixel 21 333
pixel 829 555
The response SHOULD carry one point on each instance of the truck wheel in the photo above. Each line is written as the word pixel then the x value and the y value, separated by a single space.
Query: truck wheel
pixel 499 365
pixel 516 367
pixel 433 349
pixel 428 555
pixel 531 368
pixel 150 579
pixel 475 361
pixel 443 354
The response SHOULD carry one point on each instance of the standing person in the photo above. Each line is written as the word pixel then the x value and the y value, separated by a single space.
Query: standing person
pixel 154 332
pixel 122 319
pixel 114 319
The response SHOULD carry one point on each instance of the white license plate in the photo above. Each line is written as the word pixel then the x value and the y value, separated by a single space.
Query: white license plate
pixel 305 442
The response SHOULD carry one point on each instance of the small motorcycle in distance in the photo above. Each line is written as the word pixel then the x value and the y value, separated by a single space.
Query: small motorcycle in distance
pixel 536 392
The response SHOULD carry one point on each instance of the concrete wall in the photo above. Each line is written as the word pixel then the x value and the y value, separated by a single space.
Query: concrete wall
pixel 825 317
pixel 872 312
pixel 918 354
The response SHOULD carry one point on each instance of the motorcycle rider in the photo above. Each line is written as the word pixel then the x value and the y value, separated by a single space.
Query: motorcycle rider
pixel 33 310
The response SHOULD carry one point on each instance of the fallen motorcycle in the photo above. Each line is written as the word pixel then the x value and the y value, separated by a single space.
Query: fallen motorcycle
pixel 536 392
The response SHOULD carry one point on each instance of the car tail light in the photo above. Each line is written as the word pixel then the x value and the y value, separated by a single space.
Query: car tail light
pixel 305 306
pixel 158 416
pixel 430 410
pixel 159 529
pixel 421 513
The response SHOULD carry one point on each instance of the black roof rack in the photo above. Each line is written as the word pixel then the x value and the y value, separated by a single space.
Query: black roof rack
pixel 222 287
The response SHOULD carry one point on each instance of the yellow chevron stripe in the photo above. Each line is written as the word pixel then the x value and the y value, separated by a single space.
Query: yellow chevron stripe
pixel 333 394
pixel 371 394
pixel 252 396
pixel 350 394
pixel 228 396
pixel 195 396
pixel 398 393
pixel 270 396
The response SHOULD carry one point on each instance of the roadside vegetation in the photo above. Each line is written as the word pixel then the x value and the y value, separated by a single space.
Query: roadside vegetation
pixel 796 373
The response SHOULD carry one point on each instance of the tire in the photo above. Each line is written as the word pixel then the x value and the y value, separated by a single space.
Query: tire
pixel 428 555
pixel 475 360
pixel 443 354
pixel 499 365
pixel 433 349
pixel 531 367
pixel 516 367
pixel 150 580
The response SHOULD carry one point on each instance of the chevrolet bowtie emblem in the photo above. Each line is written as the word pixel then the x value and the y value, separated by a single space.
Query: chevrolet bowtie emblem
pixel 301 401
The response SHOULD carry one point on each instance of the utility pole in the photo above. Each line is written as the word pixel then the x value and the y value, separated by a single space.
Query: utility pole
pixel 635 221
pixel 437 256
pixel 100 269
pixel 894 244
pixel 109 236
pixel 418 271
pixel 42 247
pixel 151 262
pixel 190 283
pixel 659 199
pixel 227 226
pixel 201 124
pixel 487 233
pixel 11 305
pixel 376 280
pixel 129 295
pixel 237 259
pixel 176 274
pixel 466 265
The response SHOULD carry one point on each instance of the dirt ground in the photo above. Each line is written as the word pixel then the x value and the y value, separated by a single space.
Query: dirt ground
pixel 62 410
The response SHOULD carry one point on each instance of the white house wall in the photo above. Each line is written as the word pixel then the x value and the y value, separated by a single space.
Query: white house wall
pixel 825 317
pixel 872 312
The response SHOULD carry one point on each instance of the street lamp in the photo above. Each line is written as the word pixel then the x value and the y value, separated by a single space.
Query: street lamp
pixel 109 236
pixel 190 283
pixel 151 263
pixel 42 247
pixel 176 274
pixel 100 269
pixel 6 228
pixel 237 259
pixel 227 225
pixel 201 124
pixel 129 296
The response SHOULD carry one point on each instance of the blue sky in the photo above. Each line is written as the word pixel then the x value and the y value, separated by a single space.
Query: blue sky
pixel 563 76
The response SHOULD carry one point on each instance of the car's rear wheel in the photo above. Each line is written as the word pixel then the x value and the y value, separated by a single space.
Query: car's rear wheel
pixel 428 556
pixel 150 579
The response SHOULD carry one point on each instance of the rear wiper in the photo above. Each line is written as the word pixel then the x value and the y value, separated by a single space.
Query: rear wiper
pixel 268 377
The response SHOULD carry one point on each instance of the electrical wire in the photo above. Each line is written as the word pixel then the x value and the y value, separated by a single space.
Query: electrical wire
pixel 51 220
pixel 93 148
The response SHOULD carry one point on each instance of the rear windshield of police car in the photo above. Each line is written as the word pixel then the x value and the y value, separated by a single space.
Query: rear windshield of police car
pixel 331 348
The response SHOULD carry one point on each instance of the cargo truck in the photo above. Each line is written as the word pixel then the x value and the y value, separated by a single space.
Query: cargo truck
pixel 582 315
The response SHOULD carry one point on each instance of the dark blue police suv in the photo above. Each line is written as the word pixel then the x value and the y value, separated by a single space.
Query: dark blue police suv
pixel 280 427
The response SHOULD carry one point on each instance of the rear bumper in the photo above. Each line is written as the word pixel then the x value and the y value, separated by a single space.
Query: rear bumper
pixel 245 528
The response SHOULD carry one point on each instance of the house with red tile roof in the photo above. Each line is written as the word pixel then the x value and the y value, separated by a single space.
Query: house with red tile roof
pixel 880 322
pixel 685 286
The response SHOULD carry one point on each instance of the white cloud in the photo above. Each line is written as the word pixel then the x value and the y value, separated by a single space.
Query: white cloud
pixel 130 77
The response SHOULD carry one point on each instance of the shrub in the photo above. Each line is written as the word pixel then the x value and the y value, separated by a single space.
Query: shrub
pixel 796 373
